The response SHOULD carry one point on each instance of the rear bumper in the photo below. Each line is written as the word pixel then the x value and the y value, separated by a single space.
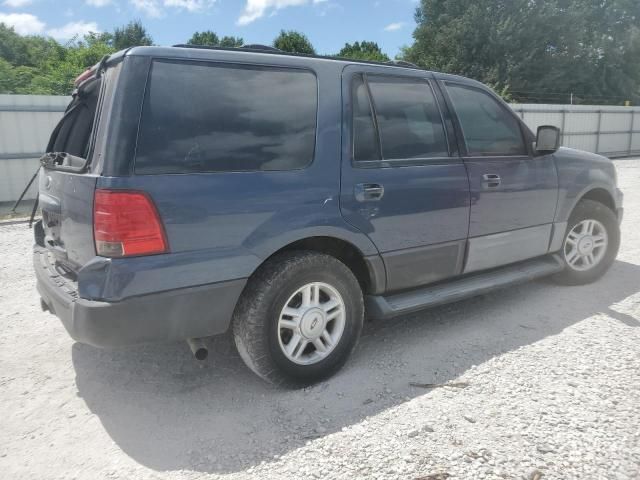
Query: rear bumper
pixel 193 312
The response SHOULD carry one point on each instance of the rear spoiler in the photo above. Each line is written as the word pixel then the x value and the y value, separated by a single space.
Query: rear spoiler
pixel 95 71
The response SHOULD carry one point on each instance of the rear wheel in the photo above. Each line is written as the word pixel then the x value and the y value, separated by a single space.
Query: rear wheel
pixel 299 318
pixel 590 244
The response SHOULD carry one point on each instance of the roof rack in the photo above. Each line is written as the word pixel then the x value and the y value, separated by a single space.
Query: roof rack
pixel 257 46
pixel 402 63
pixel 251 46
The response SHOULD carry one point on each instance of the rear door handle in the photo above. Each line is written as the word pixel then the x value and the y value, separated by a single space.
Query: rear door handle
pixel 491 180
pixel 366 192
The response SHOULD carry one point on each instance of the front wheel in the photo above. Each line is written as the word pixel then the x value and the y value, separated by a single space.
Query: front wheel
pixel 299 318
pixel 590 244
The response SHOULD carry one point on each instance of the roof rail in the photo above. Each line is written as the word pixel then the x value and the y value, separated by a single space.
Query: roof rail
pixel 402 63
pixel 257 46
pixel 251 46
pixel 188 45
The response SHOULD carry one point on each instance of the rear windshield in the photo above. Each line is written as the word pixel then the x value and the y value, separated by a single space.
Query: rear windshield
pixel 73 133
pixel 205 117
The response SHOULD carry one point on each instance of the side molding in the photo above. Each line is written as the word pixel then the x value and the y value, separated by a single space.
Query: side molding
pixel 498 249
pixel 413 267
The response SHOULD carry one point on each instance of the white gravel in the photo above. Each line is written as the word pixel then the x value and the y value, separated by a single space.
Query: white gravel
pixel 548 386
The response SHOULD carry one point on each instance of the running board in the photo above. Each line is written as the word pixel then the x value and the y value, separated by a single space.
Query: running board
pixel 380 307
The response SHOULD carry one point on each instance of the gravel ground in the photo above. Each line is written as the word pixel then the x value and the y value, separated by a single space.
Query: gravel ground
pixel 544 382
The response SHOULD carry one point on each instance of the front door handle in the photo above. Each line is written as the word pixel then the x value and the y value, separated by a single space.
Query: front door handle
pixel 491 180
pixel 367 192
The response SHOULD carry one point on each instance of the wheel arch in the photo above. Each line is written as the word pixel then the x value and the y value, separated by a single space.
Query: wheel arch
pixel 368 269
pixel 600 195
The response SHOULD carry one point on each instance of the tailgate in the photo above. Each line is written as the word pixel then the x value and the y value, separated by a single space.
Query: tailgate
pixel 66 183
pixel 66 200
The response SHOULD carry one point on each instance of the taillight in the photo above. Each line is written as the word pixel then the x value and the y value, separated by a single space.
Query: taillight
pixel 126 223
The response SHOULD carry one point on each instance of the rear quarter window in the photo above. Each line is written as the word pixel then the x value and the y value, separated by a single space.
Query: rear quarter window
pixel 208 117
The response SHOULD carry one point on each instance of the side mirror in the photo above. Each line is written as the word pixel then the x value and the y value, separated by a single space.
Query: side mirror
pixel 548 139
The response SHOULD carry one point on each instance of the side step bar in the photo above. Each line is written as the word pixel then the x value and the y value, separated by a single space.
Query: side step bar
pixel 381 307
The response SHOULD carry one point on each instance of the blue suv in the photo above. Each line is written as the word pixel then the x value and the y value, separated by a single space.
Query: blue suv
pixel 190 191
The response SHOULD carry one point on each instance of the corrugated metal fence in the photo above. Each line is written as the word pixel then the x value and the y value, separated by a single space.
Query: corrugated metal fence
pixel 607 130
pixel 27 120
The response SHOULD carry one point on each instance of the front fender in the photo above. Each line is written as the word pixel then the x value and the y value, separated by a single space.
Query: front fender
pixel 579 173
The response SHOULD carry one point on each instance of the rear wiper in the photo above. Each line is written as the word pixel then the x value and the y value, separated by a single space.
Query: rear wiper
pixel 63 161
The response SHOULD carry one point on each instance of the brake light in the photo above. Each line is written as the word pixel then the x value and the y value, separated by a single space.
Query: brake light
pixel 83 76
pixel 126 223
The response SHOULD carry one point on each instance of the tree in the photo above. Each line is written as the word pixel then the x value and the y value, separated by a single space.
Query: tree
pixel 541 51
pixel 293 42
pixel 131 35
pixel 230 42
pixel 206 38
pixel 210 39
pixel 27 50
pixel 363 51
pixel 40 65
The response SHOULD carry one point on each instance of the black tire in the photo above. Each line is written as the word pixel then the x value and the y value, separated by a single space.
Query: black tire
pixel 587 210
pixel 255 320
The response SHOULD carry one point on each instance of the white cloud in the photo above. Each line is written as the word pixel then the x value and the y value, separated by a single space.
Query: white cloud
pixel 189 5
pixel 73 29
pixel 150 7
pixel 155 8
pixel 99 3
pixel 22 23
pixel 393 27
pixel 254 9
pixel 17 3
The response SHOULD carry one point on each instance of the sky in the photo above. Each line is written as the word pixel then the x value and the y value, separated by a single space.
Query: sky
pixel 327 23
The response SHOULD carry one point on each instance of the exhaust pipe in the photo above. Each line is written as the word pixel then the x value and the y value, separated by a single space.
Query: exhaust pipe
pixel 198 348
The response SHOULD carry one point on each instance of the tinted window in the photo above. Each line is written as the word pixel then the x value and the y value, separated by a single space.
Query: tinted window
pixel 488 128
pixel 201 117
pixel 408 118
pixel 365 139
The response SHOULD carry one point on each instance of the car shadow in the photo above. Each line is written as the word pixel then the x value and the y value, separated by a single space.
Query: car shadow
pixel 169 412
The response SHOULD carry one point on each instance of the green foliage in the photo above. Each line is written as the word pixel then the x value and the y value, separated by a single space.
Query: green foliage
pixel 210 39
pixel 503 91
pixel 39 65
pixel 230 42
pixel 542 50
pixel 206 38
pixel 369 51
pixel 131 35
pixel 293 42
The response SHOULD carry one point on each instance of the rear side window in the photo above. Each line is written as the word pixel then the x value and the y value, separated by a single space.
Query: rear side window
pixel 201 117
pixel 408 117
pixel 488 128
pixel 365 140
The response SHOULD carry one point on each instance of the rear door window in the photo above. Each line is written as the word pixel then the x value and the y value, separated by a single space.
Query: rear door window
pixel 205 117
pixel 488 128
pixel 409 120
